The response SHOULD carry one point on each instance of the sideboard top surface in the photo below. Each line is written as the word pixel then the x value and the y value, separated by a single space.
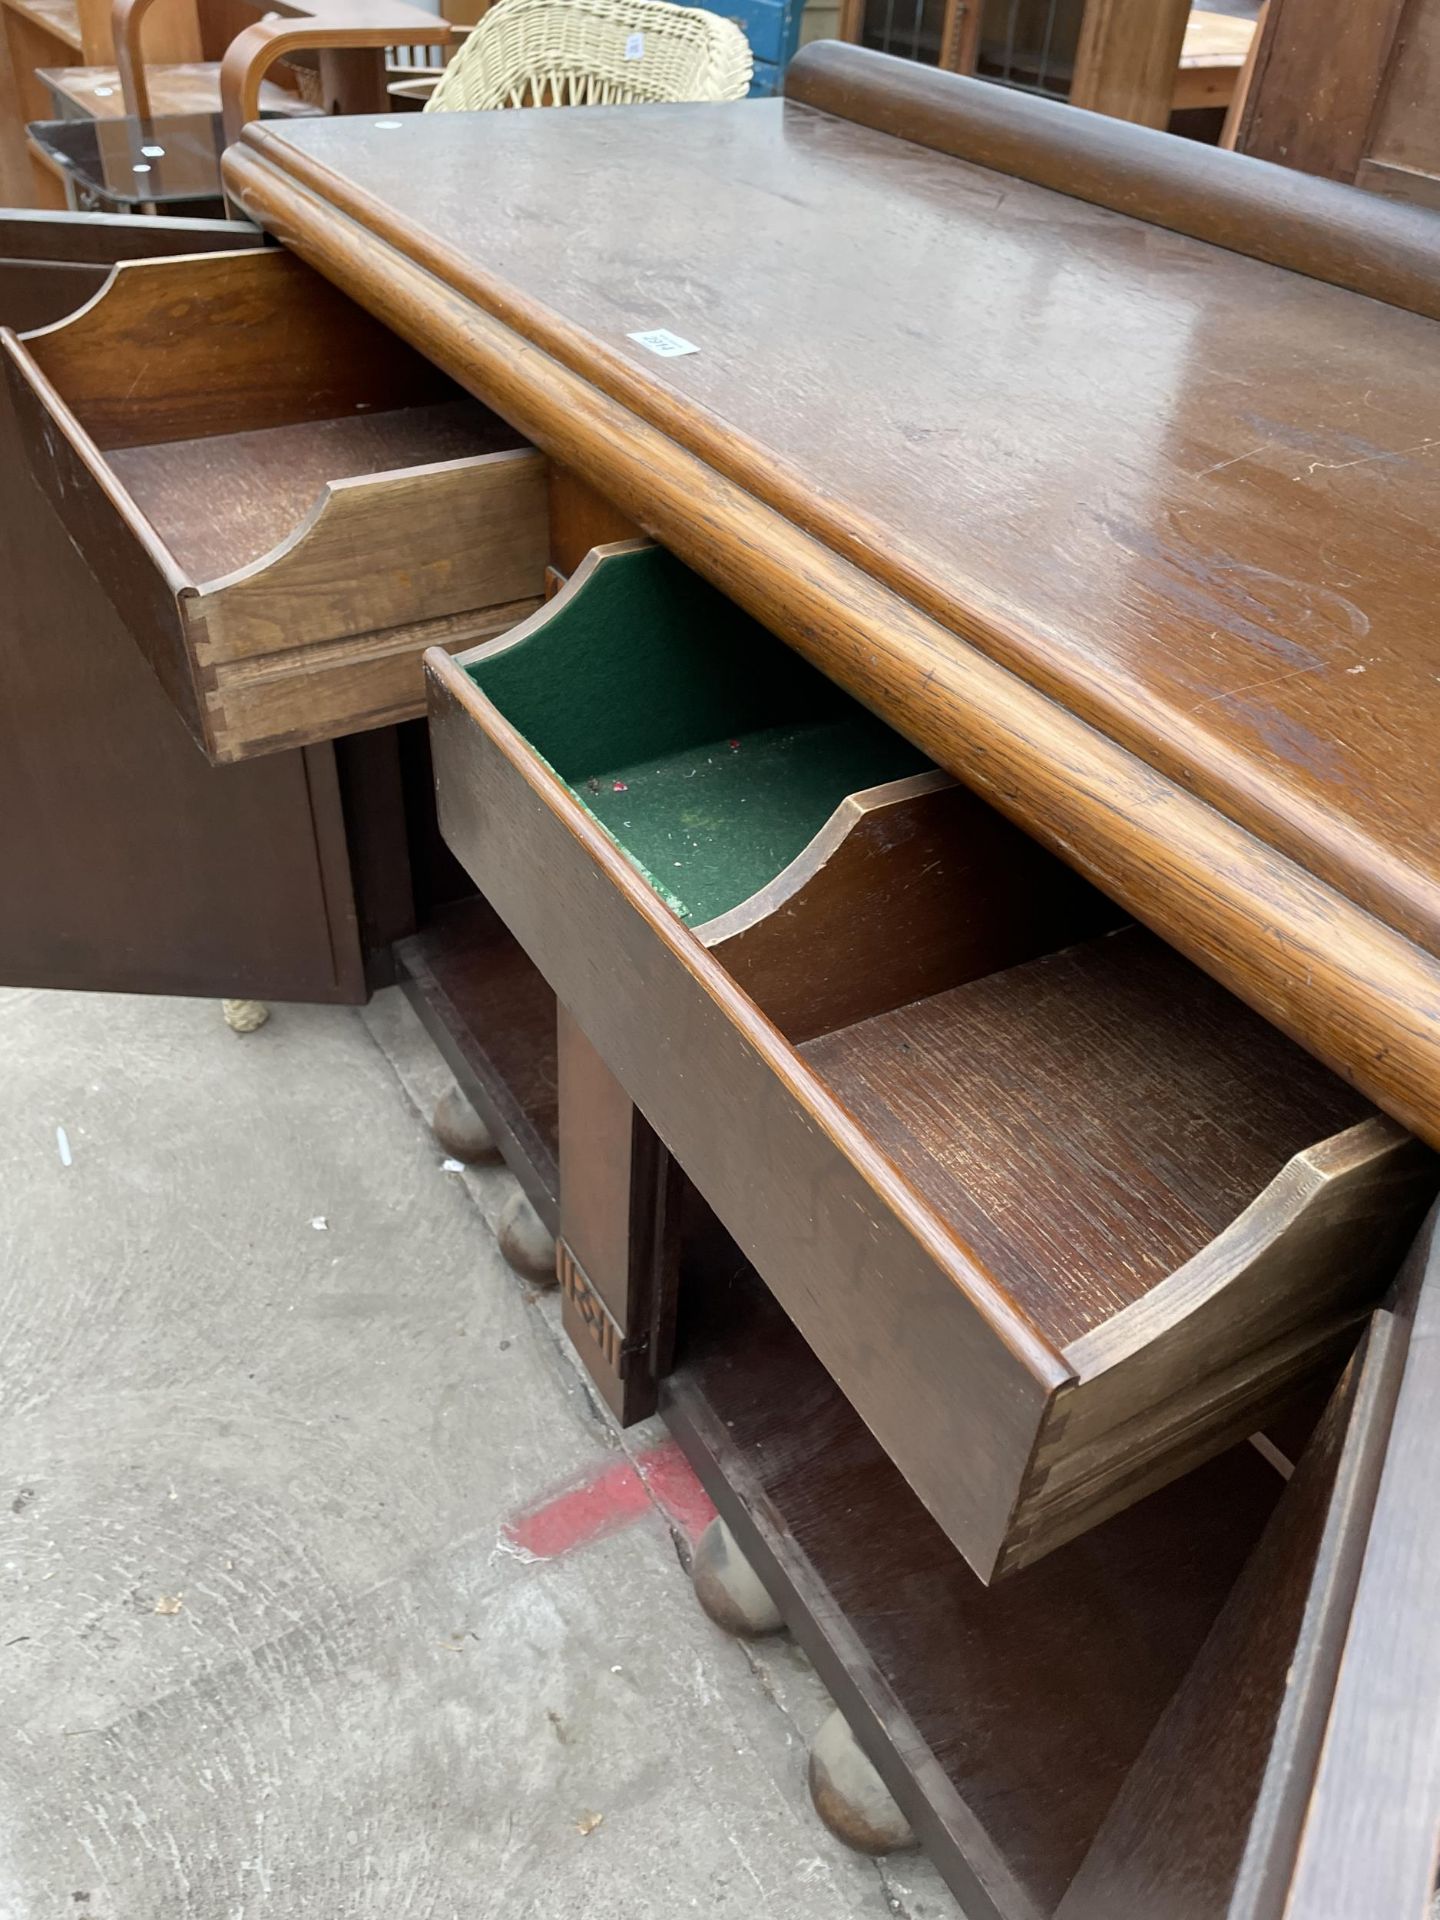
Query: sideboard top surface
pixel 1191 495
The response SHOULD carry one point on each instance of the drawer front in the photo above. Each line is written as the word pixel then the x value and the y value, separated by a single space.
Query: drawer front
pixel 950 1380
pixel 940 1380
pixel 1061 1216
pixel 282 547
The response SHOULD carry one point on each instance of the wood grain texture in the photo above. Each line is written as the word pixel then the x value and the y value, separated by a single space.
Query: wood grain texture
pixel 128 863
pixel 224 501
pixel 327 688
pixel 1174 1840
pixel 230 343
pixel 1214 1350
pixel 818 1208
pixel 401 548
pixel 493 1018
pixel 909 888
pixel 1371 1836
pixel 1303 223
pixel 281 580
pixel 1047 1147
pixel 1126 62
pixel 1203 880
pixel 580 518
pixel 619 1231
pixel 1085 1122
pixel 1297 1773
pixel 1319 71
pixel 1004 1722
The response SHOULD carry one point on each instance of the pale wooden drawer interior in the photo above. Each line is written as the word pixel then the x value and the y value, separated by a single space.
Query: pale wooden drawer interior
pixel 285 503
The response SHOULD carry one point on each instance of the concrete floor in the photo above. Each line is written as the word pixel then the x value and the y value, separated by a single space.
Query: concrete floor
pixel 268 1399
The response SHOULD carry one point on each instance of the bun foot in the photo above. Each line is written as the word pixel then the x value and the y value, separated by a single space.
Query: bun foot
pixel 525 1241
pixel 244 1016
pixel 460 1131
pixel 728 1587
pixel 849 1795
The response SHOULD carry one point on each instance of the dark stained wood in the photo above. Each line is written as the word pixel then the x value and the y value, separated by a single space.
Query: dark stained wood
pixel 127 863
pixel 1207 193
pixel 1297 1771
pixel 1004 1722
pixel 33 293
pixel 493 1017
pixel 1350 92
pixel 1126 62
pixel 103 239
pixel 618 1231
pixel 885 907
pixel 1319 70
pixel 1403 154
pixel 1174 1840
pixel 51 263
pixel 1087 1122
pixel 1371 1830
pixel 372 795
pixel 234 552
pixel 833 1170
pixel 595 921
pixel 1203 571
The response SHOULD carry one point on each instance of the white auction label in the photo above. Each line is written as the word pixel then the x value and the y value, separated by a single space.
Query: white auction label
pixel 635 47
pixel 668 345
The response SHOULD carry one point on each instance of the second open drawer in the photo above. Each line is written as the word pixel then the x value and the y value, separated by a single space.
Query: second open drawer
pixel 285 504
pixel 1059 1215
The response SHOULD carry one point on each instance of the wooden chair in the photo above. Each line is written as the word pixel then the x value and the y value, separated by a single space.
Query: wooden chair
pixel 594 53
pixel 341 46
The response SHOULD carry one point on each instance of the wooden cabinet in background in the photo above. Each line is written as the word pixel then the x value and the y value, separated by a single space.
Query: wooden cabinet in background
pixel 1350 91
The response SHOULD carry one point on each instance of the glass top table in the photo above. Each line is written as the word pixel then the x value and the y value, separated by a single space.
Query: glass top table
pixel 127 164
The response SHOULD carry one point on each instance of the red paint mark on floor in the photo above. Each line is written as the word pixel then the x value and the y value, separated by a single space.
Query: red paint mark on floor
pixel 675 1489
pixel 611 1500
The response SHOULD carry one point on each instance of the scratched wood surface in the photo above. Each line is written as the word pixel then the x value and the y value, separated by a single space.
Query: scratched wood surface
pixel 280 547
pixel 1087 1122
pixel 1177 488
pixel 221 501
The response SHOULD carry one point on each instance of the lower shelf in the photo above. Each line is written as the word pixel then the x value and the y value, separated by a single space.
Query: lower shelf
pixel 493 1018
pixel 1003 1720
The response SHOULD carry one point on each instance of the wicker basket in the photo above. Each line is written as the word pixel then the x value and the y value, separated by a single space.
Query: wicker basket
pixel 591 53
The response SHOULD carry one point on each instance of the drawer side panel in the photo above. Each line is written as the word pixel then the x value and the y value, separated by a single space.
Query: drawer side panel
pixel 112 540
pixel 955 1403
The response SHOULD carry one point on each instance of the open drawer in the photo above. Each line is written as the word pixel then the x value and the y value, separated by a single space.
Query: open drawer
pixel 284 503
pixel 1060 1216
